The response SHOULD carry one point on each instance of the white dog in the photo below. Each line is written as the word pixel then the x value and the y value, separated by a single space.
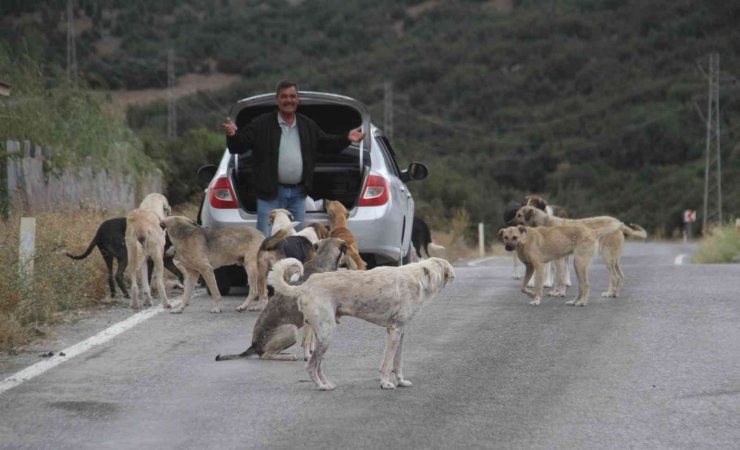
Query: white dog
pixel 385 296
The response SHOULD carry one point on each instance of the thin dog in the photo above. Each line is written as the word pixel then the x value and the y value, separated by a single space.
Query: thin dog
pixel 421 239
pixel 610 244
pixel 201 250
pixel 385 296
pixel 145 239
pixel 277 326
pixel 338 216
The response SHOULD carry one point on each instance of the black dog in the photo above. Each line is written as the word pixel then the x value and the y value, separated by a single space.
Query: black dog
pixel 110 240
pixel 421 237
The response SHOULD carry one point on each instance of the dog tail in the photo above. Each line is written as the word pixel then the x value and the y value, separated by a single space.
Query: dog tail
pixel 243 355
pixel 634 230
pixel 271 242
pixel 437 249
pixel 276 277
pixel 90 248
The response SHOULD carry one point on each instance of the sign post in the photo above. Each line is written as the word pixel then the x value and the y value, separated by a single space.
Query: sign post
pixel 689 217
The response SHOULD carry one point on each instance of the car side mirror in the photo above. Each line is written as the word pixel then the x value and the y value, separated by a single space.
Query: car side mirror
pixel 416 171
pixel 206 173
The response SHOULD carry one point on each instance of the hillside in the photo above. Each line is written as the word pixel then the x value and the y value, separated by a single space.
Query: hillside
pixel 591 103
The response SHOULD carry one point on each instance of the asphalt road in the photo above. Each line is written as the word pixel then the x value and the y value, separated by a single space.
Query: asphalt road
pixel 658 367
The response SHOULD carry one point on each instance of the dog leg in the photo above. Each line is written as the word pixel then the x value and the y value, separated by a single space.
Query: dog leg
pixel 283 337
pixel 547 275
pixel 392 341
pixel 398 365
pixel 191 277
pixel 529 270
pixel 251 303
pixel 611 249
pixel 323 323
pixel 560 289
pixel 120 270
pixel 539 281
pixel 515 261
pixel 581 264
pixel 309 342
pixel 145 287
pixel 159 280
pixel 210 279
pixel 109 265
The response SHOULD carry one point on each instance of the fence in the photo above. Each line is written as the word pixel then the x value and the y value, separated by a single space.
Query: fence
pixel 33 188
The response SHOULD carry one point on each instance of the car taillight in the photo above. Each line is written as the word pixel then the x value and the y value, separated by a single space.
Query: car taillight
pixel 222 194
pixel 375 192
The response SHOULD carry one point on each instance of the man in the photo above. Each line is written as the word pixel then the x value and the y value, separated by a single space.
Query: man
pixel 284 148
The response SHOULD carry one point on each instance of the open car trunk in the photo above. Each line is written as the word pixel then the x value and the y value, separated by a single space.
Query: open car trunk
pixel 337 176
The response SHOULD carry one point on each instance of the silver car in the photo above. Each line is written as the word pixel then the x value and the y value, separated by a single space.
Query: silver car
pixel 365 177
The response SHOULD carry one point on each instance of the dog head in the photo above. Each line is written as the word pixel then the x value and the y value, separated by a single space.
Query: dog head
pixel 158 204
pixel 529 216
pixel 334 249
pixel 512 237
pixel 336 210
pixel 536 201
pixel 277 213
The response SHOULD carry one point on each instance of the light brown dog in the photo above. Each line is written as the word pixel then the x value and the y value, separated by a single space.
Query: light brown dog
pixel 537 246
pixel 279 219
pixel 610 244
pixel 385 296
pixel 201 250
pixel 145 239
pixel 321 231
pixel 338 216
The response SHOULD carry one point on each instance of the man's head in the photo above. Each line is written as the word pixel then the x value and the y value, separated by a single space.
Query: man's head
pixel 286 96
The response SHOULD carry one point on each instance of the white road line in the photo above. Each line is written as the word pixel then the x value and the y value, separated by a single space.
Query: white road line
pixel 478 262
pixel 70 352
pixel 678 260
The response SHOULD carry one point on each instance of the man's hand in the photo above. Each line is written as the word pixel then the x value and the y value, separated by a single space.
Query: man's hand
pixel 355 135
pixel 229 127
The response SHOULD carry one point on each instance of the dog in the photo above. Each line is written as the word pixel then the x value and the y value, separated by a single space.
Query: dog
pixel 279 246
pixel 537 246
pixel 145 239
pixel 338 216
pixel 277 326
pixel 610 244
pixel 421 239
pixel 321 231
pixel 279 219
pixel 385 296
pixel 201 250
pixel 111 242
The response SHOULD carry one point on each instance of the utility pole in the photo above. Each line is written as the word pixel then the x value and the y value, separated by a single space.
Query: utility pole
pixel 71 47
pixel 171 107
pixel 713 161
pixel 388 110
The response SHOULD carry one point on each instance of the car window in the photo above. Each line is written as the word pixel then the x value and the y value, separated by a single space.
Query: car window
pixel 388 155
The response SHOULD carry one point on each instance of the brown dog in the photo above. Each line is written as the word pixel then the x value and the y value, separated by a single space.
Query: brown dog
pixel 338 216
pixel 537 246
pixel 200 250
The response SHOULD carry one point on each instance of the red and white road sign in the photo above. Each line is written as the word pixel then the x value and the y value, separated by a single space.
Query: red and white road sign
pixel 689 216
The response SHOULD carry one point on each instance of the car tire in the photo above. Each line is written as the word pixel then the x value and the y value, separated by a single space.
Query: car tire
pixel 407 258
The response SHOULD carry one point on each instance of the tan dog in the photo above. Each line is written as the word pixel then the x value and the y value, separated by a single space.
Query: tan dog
pixel 321 231
pixel 145 239
pixel 385 296
pixel 610 244
pixel 538 246
pixel 201 250
pixel 279 219
pixel 338 216
pixel 277 326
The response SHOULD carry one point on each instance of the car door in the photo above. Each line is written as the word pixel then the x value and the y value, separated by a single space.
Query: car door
pixel 403 210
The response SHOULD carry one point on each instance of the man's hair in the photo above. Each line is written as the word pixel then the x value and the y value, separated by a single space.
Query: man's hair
pixel 285 84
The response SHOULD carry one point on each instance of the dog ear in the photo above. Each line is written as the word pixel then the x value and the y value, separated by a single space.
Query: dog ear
pixel 343 248
pixel 162 225
pixel 290 215
pixel 522 229
pixel 500 234
pixel 528 214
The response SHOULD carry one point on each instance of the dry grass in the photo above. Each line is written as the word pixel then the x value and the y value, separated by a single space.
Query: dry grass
pixel 60 285
pixel 722 245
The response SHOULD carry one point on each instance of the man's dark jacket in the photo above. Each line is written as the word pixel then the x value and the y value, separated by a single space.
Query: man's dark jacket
pixel 262 136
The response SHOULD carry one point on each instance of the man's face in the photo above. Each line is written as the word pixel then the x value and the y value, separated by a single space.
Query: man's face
pixel 287 100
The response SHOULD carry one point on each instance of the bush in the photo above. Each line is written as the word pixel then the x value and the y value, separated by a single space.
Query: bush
pixel 721 246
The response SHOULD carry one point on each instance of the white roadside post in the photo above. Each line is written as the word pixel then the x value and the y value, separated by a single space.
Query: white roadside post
pixel 27 250
pixel 481 241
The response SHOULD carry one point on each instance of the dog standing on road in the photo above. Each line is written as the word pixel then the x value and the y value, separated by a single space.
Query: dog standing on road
pixel 610 244
pixel 277 326
pixel 421 239
pixel 338 216
pixel 537 246
pixel 385 296
pixel 146 239
pixel 201 250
